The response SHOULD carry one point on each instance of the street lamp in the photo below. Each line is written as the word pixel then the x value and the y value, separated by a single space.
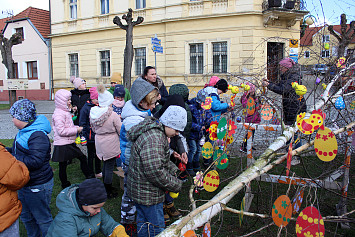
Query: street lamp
pixel 307 21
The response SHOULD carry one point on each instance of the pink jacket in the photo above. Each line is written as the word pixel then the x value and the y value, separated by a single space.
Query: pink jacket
pixel 107 126
pixel 253 118
pixel 64 129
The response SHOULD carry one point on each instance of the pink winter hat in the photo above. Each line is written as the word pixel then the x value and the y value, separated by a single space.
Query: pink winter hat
pixel 77 81
pixel 287 62
pixel 252 86
pixel 94 95
pixel 213 81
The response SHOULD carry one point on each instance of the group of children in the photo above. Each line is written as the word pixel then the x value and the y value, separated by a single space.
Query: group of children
pixel 118 132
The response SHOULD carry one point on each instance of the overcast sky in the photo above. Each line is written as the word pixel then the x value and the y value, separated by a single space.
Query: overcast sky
pixel 323 10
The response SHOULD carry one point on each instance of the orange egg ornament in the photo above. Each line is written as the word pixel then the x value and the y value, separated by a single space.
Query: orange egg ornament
pixel 325 145
pixel 310 223
pixel 266 112
pixel 190 233
pixel 282 211
pixel 250 106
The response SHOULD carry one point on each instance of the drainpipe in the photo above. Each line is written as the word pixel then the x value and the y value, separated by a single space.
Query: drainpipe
pixel 50 66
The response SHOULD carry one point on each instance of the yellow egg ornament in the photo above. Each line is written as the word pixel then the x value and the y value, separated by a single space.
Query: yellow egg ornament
pixel 233 89
pixel 173 195
pixel 325 145
pixel 326 46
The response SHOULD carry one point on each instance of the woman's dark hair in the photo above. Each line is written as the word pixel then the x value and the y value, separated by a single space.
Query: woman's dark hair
pixel 146 70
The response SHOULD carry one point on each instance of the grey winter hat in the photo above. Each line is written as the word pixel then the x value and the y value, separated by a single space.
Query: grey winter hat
pixel 140 88
pixel 174 117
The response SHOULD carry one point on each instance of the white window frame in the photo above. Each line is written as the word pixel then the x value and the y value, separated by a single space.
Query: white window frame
pixel 73 9
pixel 23 27
pixel 325 38
pixel 70 64
pixel 326 55
pixel 106 61
pixel 105 6
pixel 220 56
pixel 140 4
pixel 140 61
pixel 199 68
pixel 307 52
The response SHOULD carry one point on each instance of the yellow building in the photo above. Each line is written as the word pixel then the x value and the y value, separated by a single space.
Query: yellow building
pixel 199 38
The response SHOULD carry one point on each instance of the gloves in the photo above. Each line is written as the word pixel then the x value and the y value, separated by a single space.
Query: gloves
pixel 119 231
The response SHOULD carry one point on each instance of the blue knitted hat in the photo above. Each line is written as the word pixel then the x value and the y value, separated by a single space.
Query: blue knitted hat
pixel 23 110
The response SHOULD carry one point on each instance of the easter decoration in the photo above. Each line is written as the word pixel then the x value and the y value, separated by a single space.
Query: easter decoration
pixel 231 127
pixel 326 46
pixel 241 214
pixel 297 202
pixel 250 108
pixel 245 86
pixel 213 130
pixel 173 195
pixel 299 89
pixel 289 159
pixel 207 104
pixel 317 80
pixel 207 230
pixel 266 112
pixel 190 233
pixel 222 128
pixel 220 159
pixel 341 63
pixel 324 86
pixel 83 141
pixel 315 121
pixel 78 140
pixel 235 91
pixel 339 103
pixel 207 150
pixel 310 223
pixel 325 144
pixel 211 181
pixel 282 211
pixel 198 179
pixel 352 105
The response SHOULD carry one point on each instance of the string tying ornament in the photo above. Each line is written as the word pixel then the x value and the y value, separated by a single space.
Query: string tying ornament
pixel 235 91
pixel 299 89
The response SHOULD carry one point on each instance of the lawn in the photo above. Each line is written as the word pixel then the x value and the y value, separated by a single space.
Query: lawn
pixel 227 223
pixel 4 106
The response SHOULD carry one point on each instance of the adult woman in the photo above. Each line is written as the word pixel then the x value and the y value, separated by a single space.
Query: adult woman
pixel 79 96
pixel 150 75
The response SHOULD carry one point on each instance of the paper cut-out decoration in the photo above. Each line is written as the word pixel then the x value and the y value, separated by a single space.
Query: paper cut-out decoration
pixel 325 144
pixel 221 160
pixel 232 100
pixel 241 214
pixel 324 86
pixel 341 62
pixel 315 121
pixel 190 233
pixel 206 230
pixel 310 223
pixel 245 86
pixel 352 105
pixel 231 127
pixel 222 128
pixel 318 80
pixel 83 141
pixel 207 104
pixel 282 211
pixel 211 181
pixel 78 140
pixel 289 159
pixel 266 112
pixel 339 103
pixel 239 119
pixel 198 179
pixel 250 106
pixel 229 140
pixel 207 150
pixel 299 89
pixel 233 89
pixel 297 202
pixel 213 130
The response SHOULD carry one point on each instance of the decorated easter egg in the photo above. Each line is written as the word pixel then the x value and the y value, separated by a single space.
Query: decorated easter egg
pixel 83 141
pixel 207 104
pixel 222 128
pixel 250 106
pixel 220 159
pixel 309 125
pixel 78 140
pixel 213 130
pixel 190 233
pixel 266 112
pixel 326 46
pixel 229 140
pixel 325 144
pixel 206 230
pixel 310 223
pixel 352 105
pixel 282 211
pixel 198 179
pixel 207 150
pixel 339 103
pixel 173 195
pixel 239 119
pixel 231 127
pixel 297 202
pixel 317 80
pixel 211 181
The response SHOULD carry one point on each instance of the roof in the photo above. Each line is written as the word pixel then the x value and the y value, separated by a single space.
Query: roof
pixel 306 40
pixel 2 23
pixel 39 18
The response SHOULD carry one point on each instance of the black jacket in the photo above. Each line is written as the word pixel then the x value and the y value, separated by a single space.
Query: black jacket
pixel 84 121
pixel 78 99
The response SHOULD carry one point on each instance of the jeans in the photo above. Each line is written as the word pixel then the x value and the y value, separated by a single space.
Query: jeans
pixel 36 214
pixel 93 159
pixel 107 171
pixel 150 220
pixel 128 208
pixel 11 231
pixel 194 154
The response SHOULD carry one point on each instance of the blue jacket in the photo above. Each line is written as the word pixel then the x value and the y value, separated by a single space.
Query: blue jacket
pixel 32 147
pixel 72 221
pixel 84 121
pixel 131 116
pixel 217 107
pixel 200 118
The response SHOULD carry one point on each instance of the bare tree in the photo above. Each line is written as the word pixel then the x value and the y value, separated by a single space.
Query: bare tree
pixel 346 35
pixel 128 51
pixel 6 53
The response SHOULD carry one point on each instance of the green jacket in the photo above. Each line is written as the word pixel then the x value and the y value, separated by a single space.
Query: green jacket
pixel 150 172
pixel 71 221
pixel 127 95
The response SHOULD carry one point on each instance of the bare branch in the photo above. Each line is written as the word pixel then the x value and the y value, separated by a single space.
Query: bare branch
pixel 118 22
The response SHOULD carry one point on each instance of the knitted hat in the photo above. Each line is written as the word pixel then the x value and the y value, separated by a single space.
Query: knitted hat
pixel 77 81
pixel 24 110
pixel 119 91
pixel 91 192
pixel 287 62
pixel 201 96
pixel 105 97
pixel 174 117
pixel 252 87
pixel 180 89
pixel 222 85
pixel 93 93
pixel 213 80
pixel 173 99
pixel 140 88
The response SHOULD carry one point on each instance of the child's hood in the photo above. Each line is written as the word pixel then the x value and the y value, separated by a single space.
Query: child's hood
pixel 130 110
pixel 99 115
pixel 40 124
pixel 147 124
pixel 61 99
pixel 66 202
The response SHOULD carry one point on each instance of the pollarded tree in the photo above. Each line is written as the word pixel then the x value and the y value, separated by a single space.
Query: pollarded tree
pixel 346 34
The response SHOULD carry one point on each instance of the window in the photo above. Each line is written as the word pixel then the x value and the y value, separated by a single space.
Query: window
pixel 20 31
pixel 105 63
pixel 306 54
pixel 325 38
pixel 32 70
pixel 73 9
pixel 140 60
pixel 140 4
pixel 196 58
pixel 219 57
pixel 15 69
pixel 105 6
pixel 74 64
pixel 325 54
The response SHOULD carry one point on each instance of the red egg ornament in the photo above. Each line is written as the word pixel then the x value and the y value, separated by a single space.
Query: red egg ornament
pixel 310 223
pixel 282 211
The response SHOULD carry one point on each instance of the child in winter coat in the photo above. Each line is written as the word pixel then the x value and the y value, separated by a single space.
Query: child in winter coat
pixel 32 147
pixel 218 107
pixel 151 173
pixel 13 176
pixel 81 212
pixel 107 126
pixel 88 134
pixel 65 133
pixel 144 97
pixel 250 117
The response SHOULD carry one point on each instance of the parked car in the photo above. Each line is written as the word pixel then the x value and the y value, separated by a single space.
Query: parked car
pixel 320 68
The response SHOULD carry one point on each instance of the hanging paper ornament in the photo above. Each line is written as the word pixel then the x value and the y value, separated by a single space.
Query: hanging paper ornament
pixel 250 108
pixel 299 89
pixel 78 140
pixel 220 159
pixel 315 121
pixel 282 211
pixel 326 46
pixel 233 89
pixel 297 202
pixel 289 159
pixel 310 223
pixel 207 104
pixel 83 141
pixel 207 150
pixel 325 144
pixel 229 140
pixel 213 130
pixel 211 181
pixel 341 62
pixel 352 105
pixel 246 87
pixel 189 233
pixel 239 119
pixel 198 179
pixel 266 112
pixel 222 128
pixel 206 230
pixel 231 127
pixel 241 214
pixel 339 103
pixel 317 80
pixel 232 100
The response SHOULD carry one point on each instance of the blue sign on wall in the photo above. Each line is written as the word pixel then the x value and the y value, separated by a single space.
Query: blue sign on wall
pixel 156 41
pixel 157 49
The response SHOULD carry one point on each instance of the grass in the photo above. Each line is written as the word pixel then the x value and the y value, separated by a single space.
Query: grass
pixel 226 223
pixel 4 106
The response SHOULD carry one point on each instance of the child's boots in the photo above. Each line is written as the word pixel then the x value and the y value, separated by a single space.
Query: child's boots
pixel 172 211
pixel 189 168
